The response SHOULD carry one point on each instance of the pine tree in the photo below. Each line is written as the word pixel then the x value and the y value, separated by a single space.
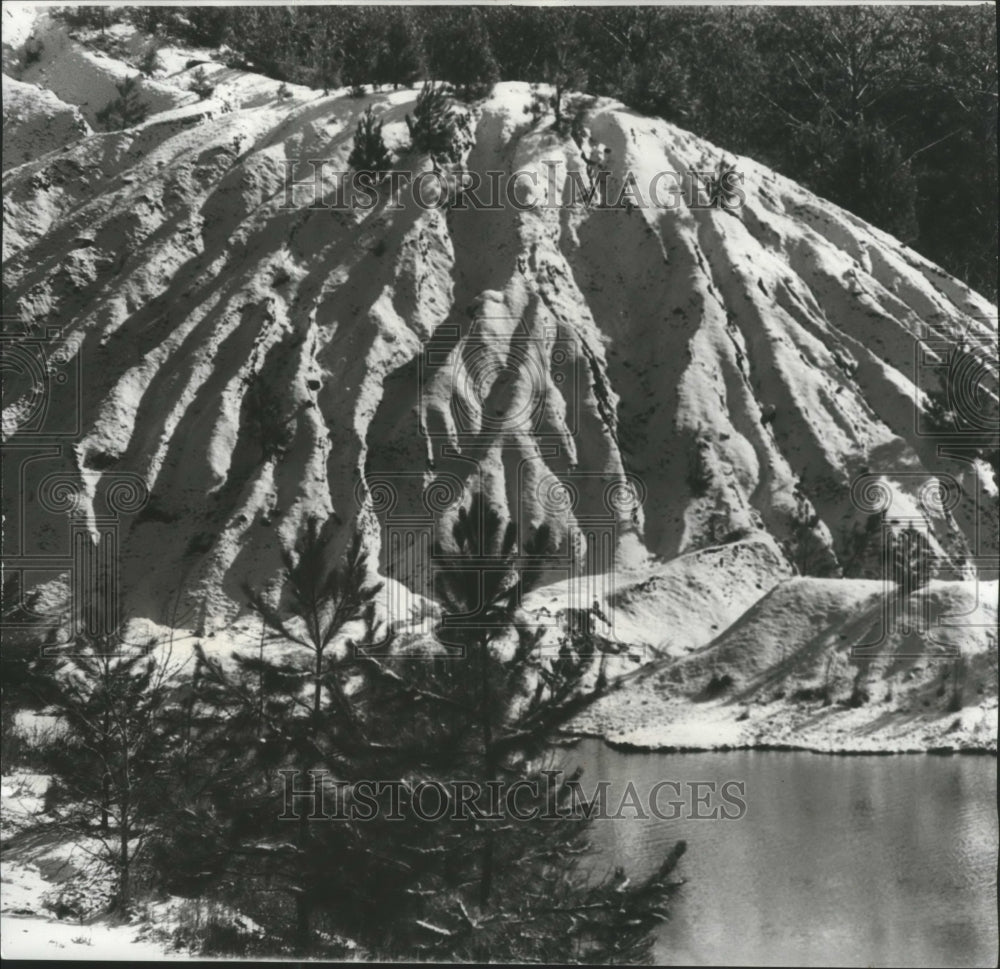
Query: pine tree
pixel 911 559
pixel 658 84
pixel 127 110
pixel 563 69
pixel 809 552
pixel 860 554
pixel 401 58
pixel 290 712
pixel 435 128
pixel 329 70
pixel 150 61
pixel 92 17
pixel 405 888
pixel 111 770
pixel 462 54
pixel 369 156
pixel 203 26
pixel 480 604
pixel 514 893
pixel 363 32
pixel 201 85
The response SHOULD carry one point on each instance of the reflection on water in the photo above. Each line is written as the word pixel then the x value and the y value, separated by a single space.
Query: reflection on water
pixel 853 861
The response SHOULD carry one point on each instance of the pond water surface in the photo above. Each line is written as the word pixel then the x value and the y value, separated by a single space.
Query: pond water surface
pixel 852 861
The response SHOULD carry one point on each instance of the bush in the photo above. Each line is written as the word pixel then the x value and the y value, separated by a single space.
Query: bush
pixel 18 747
pixel 205 26
pixel 868 173
pixel 561 69
pixel 718 684
pixel 809 694
pixel 284 91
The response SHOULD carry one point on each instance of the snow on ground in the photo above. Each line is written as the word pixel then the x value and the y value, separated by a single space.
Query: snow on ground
pixel 35 121
pixel 785 673
pixel 28 931
pixel 23 795
pixel 18 23
pixel 712 360
pixel 86 77
pixel 29 937
pixel 671 609
pixel 54 892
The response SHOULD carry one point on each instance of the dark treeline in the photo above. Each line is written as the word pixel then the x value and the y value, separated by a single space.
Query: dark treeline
pixel 890 112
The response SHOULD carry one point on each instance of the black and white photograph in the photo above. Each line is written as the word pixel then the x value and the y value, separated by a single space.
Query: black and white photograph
pixel 501 483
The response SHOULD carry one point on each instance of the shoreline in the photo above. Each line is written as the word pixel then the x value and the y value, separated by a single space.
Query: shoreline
pixel 571 738
pixel 645 717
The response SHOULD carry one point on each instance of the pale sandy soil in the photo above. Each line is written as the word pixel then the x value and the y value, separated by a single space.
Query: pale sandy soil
pixel 793 661
pixel 241 362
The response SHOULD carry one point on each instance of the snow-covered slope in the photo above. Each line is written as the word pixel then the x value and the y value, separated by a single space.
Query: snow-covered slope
pixel 19 20
pixel 35 122
pixel 249 360
pixel 816 663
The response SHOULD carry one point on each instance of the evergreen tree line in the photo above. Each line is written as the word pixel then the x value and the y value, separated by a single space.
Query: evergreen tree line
pixel 888 111
pixel 171 770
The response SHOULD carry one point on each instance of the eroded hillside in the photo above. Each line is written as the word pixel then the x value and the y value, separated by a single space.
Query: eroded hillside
pixel 226 359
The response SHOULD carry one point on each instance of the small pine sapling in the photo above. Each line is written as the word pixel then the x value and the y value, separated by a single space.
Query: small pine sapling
pixel 369 157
